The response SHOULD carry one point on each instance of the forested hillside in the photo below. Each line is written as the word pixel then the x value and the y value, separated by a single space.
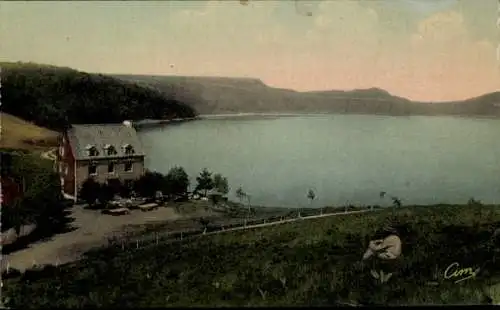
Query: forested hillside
pixel 219 95
pixel 54 97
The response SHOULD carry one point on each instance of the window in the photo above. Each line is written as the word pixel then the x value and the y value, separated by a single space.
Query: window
pixel 61 150
pixel 128 166
pixel 111 168
pixel 92 169
pixel 92 151
pixel 129 149
pixel 66 170
pixel 110 150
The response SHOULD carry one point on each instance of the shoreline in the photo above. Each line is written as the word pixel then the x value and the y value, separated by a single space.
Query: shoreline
pixel 317 114
pixel 147 123
pixel 154 123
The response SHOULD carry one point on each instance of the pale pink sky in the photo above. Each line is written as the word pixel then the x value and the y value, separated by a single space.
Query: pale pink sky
pixel 424 50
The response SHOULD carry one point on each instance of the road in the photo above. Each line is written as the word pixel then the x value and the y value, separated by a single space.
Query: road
pixel 92 229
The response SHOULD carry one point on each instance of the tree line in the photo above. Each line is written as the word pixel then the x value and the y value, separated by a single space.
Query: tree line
pixel 175 184
pixel 56 97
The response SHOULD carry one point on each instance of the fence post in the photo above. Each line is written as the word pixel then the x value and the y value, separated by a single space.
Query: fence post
pixel 8 266
pixel 123 246
pixel 137 244
pixel 181 235
pixel 156 238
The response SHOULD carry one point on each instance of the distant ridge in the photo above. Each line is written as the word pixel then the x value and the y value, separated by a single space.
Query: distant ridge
pixel 225 95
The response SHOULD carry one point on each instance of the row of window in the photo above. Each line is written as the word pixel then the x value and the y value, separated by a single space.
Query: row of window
pixel 111 168
pixel 110 150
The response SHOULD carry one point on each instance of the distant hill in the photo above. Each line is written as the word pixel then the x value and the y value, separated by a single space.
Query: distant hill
pixel 219 95
pixel 55 97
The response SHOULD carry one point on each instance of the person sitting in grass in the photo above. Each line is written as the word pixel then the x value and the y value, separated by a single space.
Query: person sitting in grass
pixel 385 250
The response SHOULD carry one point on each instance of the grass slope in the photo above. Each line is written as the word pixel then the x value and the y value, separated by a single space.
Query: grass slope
pixel 314 262
pixel 19 134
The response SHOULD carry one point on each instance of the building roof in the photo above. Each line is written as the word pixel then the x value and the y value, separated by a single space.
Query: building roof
pixel 84 136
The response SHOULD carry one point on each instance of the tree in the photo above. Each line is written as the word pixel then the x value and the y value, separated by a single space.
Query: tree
pixel 178 181
pixel 396 202
pixel 311 196
pixel 127 188
pixel 221 184
pixel 12 215
pixel 41 201
pixel 204 222
pixel 90 191
pixel 249 203
pixel 240 194
pixel 106 194
pixel 149 183
pixel 6 163
pixel 115 186
pixel 205 182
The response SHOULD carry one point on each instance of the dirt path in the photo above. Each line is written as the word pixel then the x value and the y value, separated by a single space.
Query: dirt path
pixel 92 230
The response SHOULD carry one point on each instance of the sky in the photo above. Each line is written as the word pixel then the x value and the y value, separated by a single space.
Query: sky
pixel 430 50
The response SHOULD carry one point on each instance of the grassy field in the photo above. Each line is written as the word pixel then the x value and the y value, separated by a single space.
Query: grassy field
pixel 19 134
pixel 234 216
pixel 314 262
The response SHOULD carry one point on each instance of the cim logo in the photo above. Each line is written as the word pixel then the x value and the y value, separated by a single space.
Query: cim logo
pixel 456 273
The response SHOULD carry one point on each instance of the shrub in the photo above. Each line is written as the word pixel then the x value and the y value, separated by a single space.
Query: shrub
pixel 150 183
pixel 221 184
pixel 41 202
pixel 90 191
pixel 205 182
pixel 178 181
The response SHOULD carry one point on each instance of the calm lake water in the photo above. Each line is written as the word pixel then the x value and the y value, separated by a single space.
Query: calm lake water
pixel 343 158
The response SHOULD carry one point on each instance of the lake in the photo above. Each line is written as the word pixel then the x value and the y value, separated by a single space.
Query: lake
pixel 345 159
